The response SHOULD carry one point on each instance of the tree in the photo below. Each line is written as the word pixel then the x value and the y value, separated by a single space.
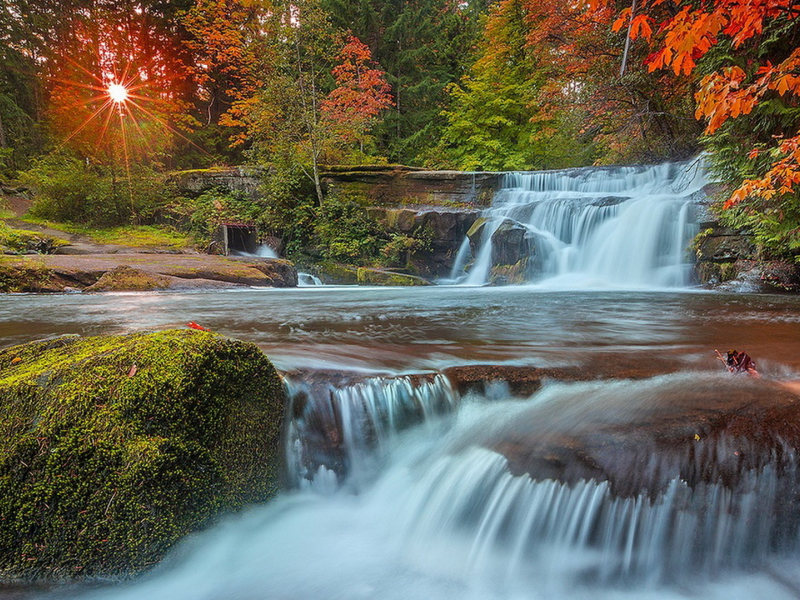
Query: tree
pixel 361 94
pixel 298 117
pixel 748 57
pixel 630 116
pixel 496 121
pixel 424 46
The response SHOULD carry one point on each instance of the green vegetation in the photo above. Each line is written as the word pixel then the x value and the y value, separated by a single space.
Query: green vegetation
pixel 19 241
pixel 115 447
pixel 71 190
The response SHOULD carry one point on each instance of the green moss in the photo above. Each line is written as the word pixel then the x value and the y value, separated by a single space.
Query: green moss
pixel 126 278
pixel 30 276
pixel 19 241
pixel 113 448
pixel 388 278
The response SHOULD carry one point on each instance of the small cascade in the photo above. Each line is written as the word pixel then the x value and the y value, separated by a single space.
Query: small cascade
pixel 307 280
pixel 607 226
pixel 266 251
pixel 341 425
pixel 583 532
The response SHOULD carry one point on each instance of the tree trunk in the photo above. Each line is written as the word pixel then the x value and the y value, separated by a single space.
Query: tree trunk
pixel 3 143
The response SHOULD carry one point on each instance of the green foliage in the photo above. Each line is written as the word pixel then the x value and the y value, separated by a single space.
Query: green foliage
pixel 113 448
pixel 423 46
pixel 345 233
pixel 69 190
pixel 211 208
pixel 494 122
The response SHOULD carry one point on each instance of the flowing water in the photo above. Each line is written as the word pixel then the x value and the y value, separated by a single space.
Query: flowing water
pixel 413 501
pixel 402 482
pixel 613 226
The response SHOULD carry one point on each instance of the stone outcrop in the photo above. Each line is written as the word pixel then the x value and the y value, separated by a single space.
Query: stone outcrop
pixel 639 436
pixel 137 272
pixel 113 448
pixel 236 179
pixel 442 230
pixel 513 250
pixel 380 185
pixel 399 186
pixel 336 274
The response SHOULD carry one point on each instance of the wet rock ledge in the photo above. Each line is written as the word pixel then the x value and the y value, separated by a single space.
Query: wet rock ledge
pixel 112 448
pixel 140 272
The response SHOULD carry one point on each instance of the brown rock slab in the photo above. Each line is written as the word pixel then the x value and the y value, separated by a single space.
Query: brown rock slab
pixel 639 435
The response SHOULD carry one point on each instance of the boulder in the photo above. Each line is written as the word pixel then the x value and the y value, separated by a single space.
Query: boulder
pixel 513 249
pixel 113 448
pixel 125 278
pixel 443 229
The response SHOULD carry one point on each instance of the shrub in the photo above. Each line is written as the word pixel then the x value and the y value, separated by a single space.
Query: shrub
pixel 71 190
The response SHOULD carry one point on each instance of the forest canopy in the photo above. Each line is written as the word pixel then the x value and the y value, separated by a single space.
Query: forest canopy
pixel 476 85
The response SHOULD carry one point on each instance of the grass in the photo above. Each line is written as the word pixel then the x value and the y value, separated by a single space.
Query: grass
pixel 147 236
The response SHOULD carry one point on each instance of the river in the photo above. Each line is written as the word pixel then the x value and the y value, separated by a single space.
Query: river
pixel 430 515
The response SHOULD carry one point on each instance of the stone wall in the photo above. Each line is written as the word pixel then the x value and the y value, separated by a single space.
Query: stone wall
pixel 235 179
pixel 729 259
pixel 398 186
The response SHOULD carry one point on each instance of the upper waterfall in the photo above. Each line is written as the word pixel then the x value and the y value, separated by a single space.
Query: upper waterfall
pixel 589 227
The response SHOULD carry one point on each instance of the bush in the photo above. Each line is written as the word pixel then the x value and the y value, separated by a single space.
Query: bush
pixel 346 233
pixel 69 190
pixel 208 210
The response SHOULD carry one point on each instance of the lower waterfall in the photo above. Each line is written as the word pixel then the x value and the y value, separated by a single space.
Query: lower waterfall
pixel 444 519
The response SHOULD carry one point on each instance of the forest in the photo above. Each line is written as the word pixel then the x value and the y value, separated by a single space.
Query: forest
pixel 101 99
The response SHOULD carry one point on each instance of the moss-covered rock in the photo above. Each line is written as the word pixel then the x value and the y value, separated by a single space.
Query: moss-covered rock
pixel 127 279
pixel 113 448
pixel 388 278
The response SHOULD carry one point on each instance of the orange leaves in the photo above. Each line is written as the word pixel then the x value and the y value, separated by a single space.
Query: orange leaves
pixel 722 96
pixel 783 176
pixel 362 91
pixel 640 25
pixel 689 35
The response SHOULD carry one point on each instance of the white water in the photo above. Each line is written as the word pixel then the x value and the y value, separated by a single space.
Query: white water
pixel 307 279
pixel 343 430
pixel 446 520
pixel 603 227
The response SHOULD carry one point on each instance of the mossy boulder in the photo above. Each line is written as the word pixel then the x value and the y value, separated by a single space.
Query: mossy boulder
pixel 127 279
pixel 113 448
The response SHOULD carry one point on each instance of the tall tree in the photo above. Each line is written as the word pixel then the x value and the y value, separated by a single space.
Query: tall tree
pixel 496 121
pixel 424 45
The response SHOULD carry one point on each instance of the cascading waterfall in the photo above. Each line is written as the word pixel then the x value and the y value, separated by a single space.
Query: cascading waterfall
pixel 447 520
pixel 607 226
pixel 592 534
pixel 338 429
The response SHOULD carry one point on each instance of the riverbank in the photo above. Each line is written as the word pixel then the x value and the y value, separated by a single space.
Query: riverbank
pixel 140 272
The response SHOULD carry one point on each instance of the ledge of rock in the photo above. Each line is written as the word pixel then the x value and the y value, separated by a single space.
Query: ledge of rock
pixel 638 436
pixel 112 448
pixel 136 272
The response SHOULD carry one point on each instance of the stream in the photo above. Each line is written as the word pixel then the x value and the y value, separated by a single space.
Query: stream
pixel 418 504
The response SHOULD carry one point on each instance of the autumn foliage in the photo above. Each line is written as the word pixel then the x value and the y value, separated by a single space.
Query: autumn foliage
pixel 684 35
pixel 361 93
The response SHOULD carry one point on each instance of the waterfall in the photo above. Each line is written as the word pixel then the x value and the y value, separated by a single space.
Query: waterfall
pixel 605 226
pixel 583 531
pixel 339 427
